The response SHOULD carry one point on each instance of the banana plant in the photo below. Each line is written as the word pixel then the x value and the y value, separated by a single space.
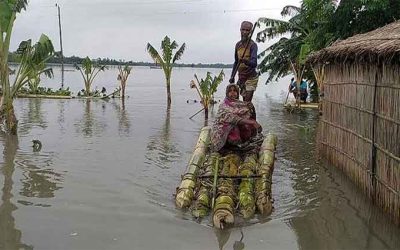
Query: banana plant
pixel 89 70
pixel 166 60
pixel 206 89
pixel 123 77
pixel 304 29
pixel 33 59
pixel 8 13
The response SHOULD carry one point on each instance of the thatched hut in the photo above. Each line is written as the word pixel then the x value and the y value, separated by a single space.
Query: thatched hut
pixel 360 125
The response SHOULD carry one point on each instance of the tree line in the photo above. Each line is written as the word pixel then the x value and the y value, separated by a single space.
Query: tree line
pixel 72 60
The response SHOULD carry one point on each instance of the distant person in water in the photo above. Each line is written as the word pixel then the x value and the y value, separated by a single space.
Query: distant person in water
pixel 233 124
pixel 303 89
pixel 245 63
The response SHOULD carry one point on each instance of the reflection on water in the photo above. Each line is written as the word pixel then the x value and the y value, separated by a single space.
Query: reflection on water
pixel 89 125
pixel 123 118
pixel 344 218
pixel 239 245
pixel 61 115
pixel 10 237
pixel 161 150
pixel 40 182
pixel 32 116
pixel 223 237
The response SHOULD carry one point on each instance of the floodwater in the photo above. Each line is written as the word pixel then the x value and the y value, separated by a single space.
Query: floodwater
pixel 107 171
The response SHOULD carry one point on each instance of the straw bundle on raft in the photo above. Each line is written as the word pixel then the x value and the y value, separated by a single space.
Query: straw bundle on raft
pixel 225 203
pixel 202 204
pixel 265 169
pixel 246 187
pixel 185 192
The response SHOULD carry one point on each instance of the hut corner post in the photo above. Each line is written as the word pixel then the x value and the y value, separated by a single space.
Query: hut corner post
pixel 373 139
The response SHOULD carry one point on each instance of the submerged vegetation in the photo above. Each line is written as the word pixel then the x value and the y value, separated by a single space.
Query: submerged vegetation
pixel 32 61
pixel 46 91
pixel 123 77
pixel 89 71
pixel 206 89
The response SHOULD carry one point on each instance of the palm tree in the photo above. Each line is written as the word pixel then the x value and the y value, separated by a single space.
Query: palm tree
pixel 206 89
pixel 9 10
pixel 166 61
pixel 89 71
pixel 123 77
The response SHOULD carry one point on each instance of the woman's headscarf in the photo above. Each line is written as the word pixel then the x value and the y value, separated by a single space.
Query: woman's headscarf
pixel 230 112
pixel 232 85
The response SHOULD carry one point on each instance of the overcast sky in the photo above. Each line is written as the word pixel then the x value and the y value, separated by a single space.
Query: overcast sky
pixel 120 29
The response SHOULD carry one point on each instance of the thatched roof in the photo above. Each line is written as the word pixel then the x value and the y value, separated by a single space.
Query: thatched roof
pixel 382 44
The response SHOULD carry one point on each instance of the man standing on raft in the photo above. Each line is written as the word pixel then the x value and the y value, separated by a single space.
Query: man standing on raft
pixel 245 63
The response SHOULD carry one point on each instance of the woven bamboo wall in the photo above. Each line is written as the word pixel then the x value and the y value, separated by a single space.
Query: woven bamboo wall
pixel 360 128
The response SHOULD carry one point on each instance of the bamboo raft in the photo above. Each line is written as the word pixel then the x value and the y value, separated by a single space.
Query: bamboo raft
pixel 302 105
pixel 227 186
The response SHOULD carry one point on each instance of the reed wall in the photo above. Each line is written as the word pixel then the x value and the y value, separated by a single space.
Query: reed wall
pixel 360 128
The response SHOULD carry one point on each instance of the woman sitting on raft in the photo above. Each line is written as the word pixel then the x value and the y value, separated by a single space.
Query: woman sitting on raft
pixel 233 124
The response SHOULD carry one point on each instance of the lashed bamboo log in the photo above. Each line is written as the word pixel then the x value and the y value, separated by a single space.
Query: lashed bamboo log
pixel 185 192
pixel 246 188
pixel 226 196
pixel 266 167
pixel 202 204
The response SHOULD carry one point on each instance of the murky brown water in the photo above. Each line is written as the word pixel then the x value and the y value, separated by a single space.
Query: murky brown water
pixel 106 173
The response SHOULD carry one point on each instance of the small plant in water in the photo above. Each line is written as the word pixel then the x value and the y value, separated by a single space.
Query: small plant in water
pixel 123 77
pixel 206 89
pixel 89 71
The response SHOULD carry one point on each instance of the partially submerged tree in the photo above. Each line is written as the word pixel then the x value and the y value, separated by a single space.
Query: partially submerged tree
pixel 32 64
pixel 8 12
pixel 89 71
pixel 123 77
pixel 206 89
pixel 166 60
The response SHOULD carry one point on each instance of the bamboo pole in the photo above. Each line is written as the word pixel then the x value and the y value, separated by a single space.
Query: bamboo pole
pixel 263 185
pixel 185 191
